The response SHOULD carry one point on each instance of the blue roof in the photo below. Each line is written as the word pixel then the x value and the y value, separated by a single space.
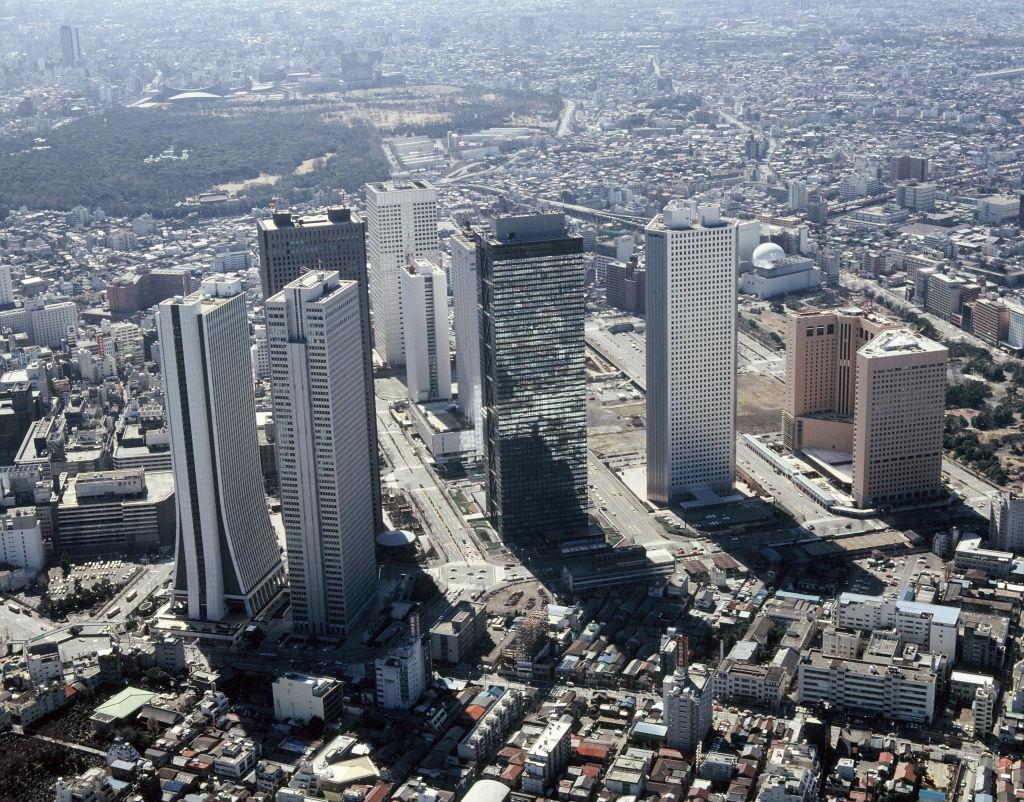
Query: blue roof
pixel 938 612
pixel 650 730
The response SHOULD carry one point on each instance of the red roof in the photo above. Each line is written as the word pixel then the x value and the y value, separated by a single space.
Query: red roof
pixel 593 750
pixel 475 711
pixel 378 793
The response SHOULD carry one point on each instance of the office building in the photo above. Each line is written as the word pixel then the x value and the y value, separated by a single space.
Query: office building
pixel 1006 523
pixel 291 245
pixel 821 381
pixel 942 294
pixel 454 638
pixel 6 286
pixel 331 241
pixel 971 555
pixel 997 209
pixel 402 674
pixel 933 627
pixel 533 375
pixel 990 320
pixel 687 694
pixel 918 197
pixel 54 324
pixel 70 46
pixel 226 551
pixel 320 396
pixel 625 287
pixel 899 419
pixel 424 291
pixel 691 352
pixel 909 168
pixel 21 540
pixel 401 220
pixel 301 697
pixel 749 683
pixel 122 512
pixel 467 334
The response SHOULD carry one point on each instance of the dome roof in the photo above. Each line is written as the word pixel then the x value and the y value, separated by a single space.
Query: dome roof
pixel 395 537
pixel 766 254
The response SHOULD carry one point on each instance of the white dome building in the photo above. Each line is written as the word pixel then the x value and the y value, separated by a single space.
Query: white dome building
pixel 766 254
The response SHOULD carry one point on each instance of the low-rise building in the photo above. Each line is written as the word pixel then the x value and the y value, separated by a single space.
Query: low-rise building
pixel 903 690
pixel 301 697
pixel 457 635
pixel 750 683
pixel 504 710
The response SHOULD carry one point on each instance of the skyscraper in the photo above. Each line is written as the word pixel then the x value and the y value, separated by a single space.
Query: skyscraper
pixel 821 376
pixel 291 244
pixel 333 241
pixel 401 219
pixel 899 419
pixel 226 552
pixel 691 352
pixel 70 47
pixel 533 375
pixel 326 472
pixel 467 332
pixel 428 370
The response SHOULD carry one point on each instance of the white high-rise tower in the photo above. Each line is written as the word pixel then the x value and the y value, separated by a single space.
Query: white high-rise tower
pixel 691 352
pixel 401 225
pixel 428 369
pixel 226 553
pixel 467 333
pixel 326 474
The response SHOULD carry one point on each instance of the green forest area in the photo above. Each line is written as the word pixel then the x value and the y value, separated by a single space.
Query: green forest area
pixel 99 160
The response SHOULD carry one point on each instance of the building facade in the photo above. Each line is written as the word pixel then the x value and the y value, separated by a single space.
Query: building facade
pixel 533 375
pixel 226 549
pixel 401 218
pixel 428 373
pixel 899 419
pixel 691 351
pixel 331 241
pixel 467 333
pixel 321 394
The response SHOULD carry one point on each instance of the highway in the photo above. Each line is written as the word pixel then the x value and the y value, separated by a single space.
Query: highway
pixel 977 493
pixel 944 328
pixel 566 120
pixel 623 511
pixel 150 579
pixel 463 563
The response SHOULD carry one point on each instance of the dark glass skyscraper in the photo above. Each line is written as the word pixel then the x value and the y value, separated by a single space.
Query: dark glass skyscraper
pixel 533 375
pixel 292 245
pixel 70 49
